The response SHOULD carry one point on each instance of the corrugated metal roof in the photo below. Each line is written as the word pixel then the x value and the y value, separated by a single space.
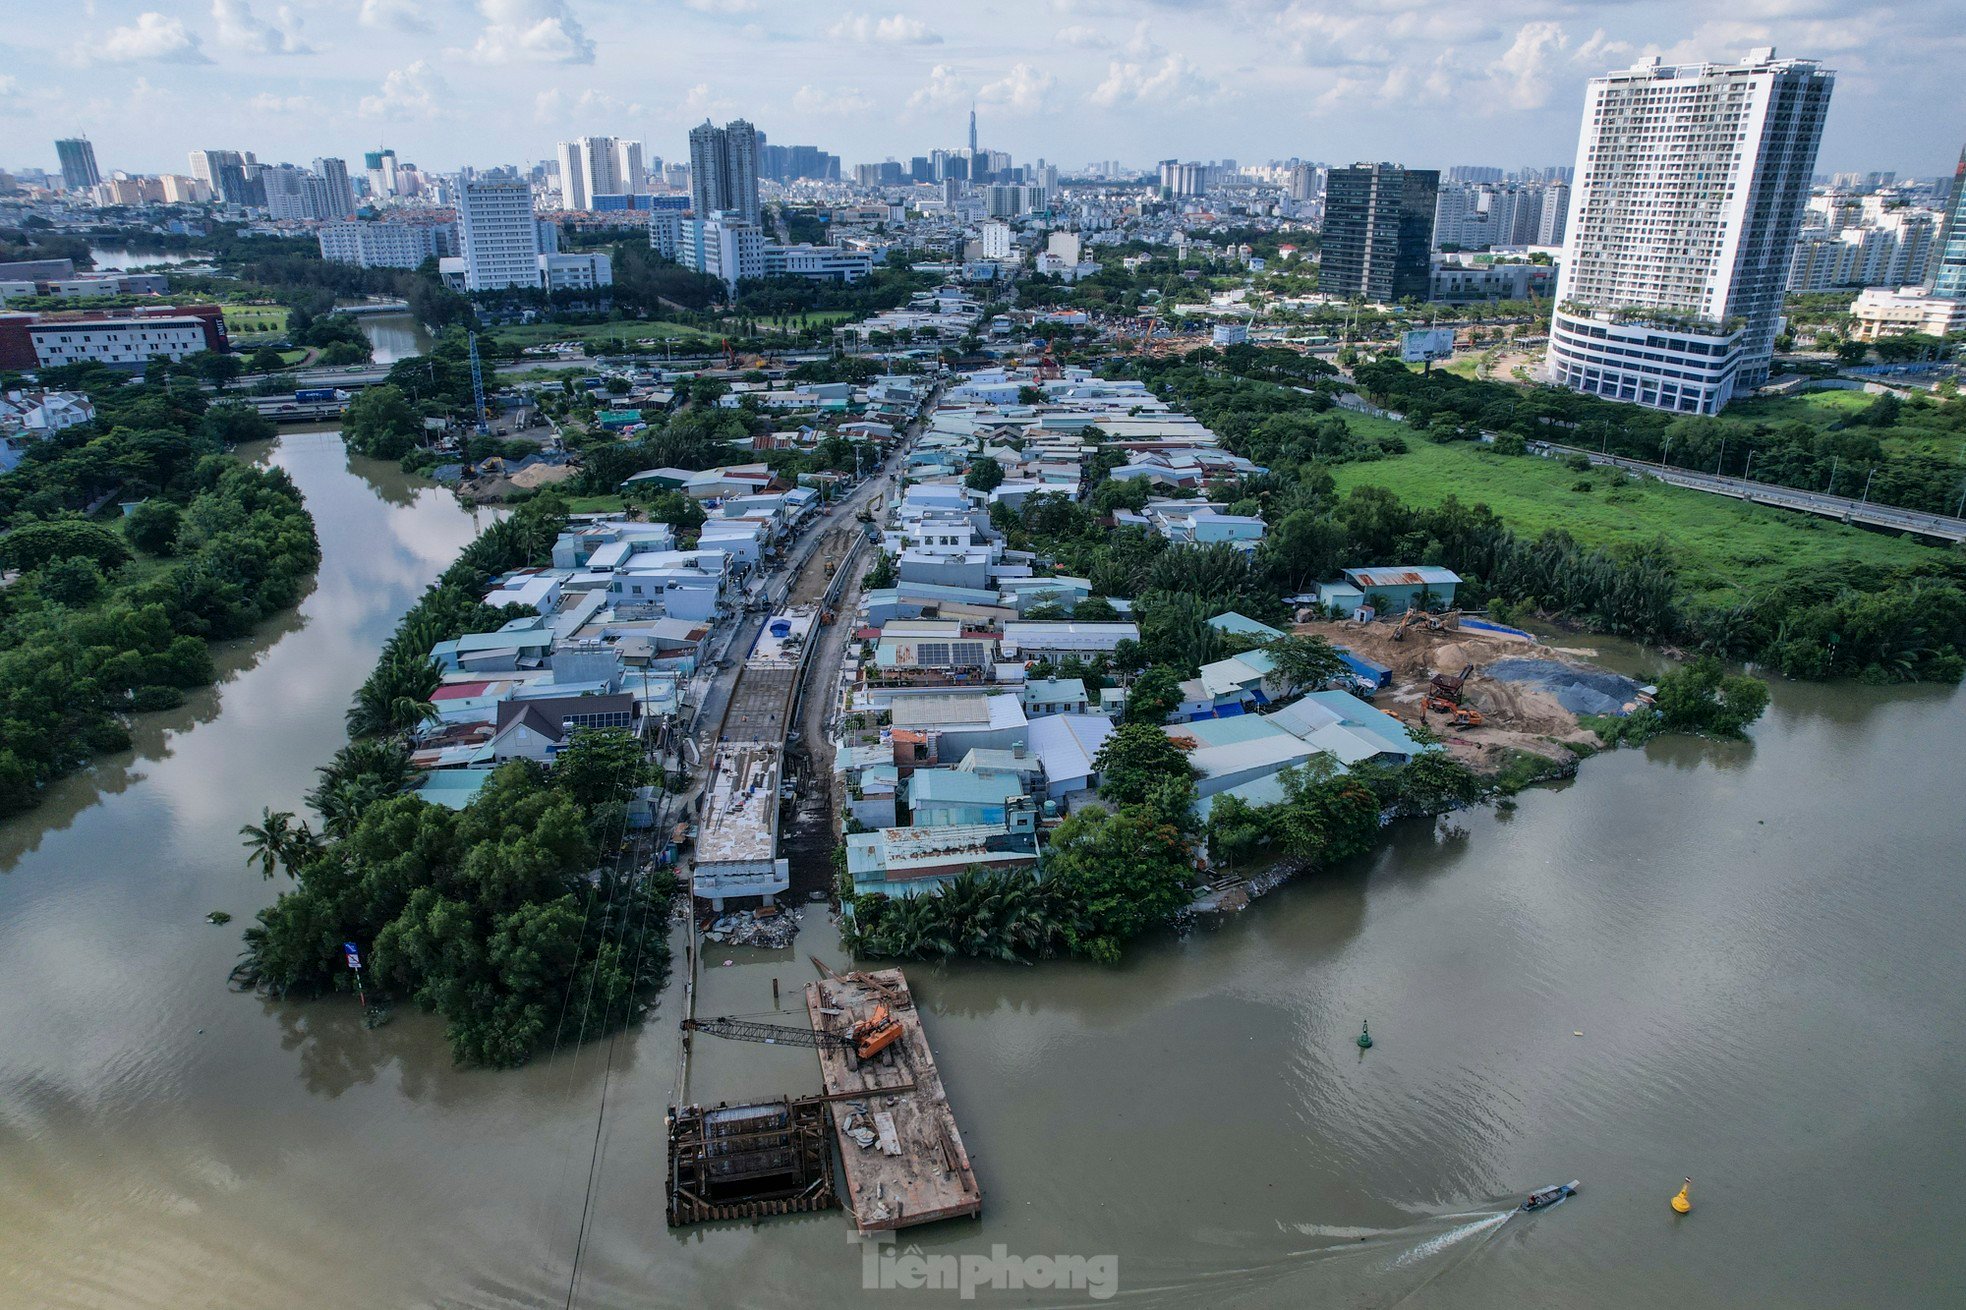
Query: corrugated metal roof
pixel 1396 576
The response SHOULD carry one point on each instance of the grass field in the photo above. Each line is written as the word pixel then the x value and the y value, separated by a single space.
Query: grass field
pixel 1916 432
pixel 1726 548
pixel 251 320
pixel 595 504
pixel 1816 408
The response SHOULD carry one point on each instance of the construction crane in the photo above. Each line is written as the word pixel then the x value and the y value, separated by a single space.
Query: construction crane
pixel 865 1039
pixel 478 387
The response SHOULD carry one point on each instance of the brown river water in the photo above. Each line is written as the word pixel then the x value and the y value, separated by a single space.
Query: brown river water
pixel 1757 942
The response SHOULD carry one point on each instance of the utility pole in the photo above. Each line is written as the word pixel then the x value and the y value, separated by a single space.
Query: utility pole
pixel 1831 488
pixel 1865 500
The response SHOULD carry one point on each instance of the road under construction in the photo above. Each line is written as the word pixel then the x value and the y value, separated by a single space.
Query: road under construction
pixel 883 1108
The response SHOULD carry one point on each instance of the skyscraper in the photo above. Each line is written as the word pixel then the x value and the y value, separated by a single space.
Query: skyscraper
pixel 598 166
pixel 341 191
pixel 972 131
pixel 723 165
pixel 78 163
pixel 205 164
pixel 1948 275
pixel 1378 231
pixel 381 167
pixel 499 235
pixel 1690 186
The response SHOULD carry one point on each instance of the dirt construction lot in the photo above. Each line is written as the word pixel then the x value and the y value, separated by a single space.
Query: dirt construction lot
pixel 1515 717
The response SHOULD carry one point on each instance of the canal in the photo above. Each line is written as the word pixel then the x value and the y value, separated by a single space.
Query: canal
pixel 1738 962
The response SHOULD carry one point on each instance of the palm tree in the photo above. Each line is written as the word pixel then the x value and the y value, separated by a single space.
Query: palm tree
pixel 269 841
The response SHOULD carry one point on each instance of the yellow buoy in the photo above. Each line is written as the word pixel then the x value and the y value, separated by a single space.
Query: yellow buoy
pixel 1680 1201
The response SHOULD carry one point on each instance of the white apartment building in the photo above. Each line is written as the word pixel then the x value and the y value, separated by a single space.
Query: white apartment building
pixel 598 166
pixel 370 244
pixel 499 235
pixel 1892 248
pixel 724 246
pixel 996 241
pixel 665 232
pixel 1690 185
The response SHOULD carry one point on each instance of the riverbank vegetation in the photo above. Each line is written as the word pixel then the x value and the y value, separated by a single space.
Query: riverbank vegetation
pixel 1804 596
pixel 111 613
pixel 1132 865
pixel 509 917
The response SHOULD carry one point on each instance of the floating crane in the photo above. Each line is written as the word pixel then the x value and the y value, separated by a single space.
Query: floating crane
pixel 865 1040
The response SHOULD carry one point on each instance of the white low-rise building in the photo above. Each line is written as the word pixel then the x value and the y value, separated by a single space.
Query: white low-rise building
pixel 1882 313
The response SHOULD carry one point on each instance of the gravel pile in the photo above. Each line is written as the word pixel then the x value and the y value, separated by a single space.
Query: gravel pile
pixel 1579 690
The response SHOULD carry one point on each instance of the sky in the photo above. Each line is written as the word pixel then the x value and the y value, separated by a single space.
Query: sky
pixel 1427 83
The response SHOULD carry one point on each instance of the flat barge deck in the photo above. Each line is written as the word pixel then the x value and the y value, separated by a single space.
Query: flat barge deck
pixel 916 1170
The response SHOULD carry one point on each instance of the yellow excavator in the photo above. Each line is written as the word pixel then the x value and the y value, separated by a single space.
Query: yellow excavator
pixel 1451 621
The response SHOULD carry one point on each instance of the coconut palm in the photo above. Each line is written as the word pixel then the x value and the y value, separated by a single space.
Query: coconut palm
pixel 269 841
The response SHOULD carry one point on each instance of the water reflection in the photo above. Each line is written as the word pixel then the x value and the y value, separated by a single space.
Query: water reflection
pixel 394 337
pixel 108 258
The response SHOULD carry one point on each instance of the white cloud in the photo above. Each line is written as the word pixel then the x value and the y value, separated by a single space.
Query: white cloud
pixel 1523 73
pixel 1599 50
pixel 1172 82
pixel 833 104
pixel 552 105
pixel 152 36
pixel 1082 37
pixel 897 29
pixel 944 89
pixel 726 7
pixel 411 92
pixel 1020 91
pixel 11 102
pixel 531 31
pixel 700 101
pixel 397 15
pixel 268 103
pixel 239 28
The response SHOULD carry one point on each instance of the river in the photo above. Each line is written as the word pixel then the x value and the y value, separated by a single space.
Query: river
pixel 1757 944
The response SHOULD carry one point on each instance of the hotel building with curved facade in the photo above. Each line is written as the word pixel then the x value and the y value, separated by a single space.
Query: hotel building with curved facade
pixel 1690 186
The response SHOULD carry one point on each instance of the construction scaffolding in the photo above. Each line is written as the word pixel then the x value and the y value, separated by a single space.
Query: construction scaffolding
pixel 750 1161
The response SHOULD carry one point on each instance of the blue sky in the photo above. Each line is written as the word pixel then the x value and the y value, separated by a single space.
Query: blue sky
pixel 448 82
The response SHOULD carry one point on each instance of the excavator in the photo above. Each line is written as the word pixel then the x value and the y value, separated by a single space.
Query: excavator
pixel 864 1040
pixel 1464 716
pixel 1415 618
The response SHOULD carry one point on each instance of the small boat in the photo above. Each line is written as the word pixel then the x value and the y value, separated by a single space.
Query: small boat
pixel 1545 1197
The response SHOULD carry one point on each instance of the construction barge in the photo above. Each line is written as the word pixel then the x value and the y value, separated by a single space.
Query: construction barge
pixel 884 1105
pixel 902 1154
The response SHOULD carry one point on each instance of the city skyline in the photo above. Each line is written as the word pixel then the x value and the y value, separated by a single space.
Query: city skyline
pixel 483 82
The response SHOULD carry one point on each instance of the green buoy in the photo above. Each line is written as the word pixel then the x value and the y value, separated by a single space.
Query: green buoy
pixel 1365 1036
